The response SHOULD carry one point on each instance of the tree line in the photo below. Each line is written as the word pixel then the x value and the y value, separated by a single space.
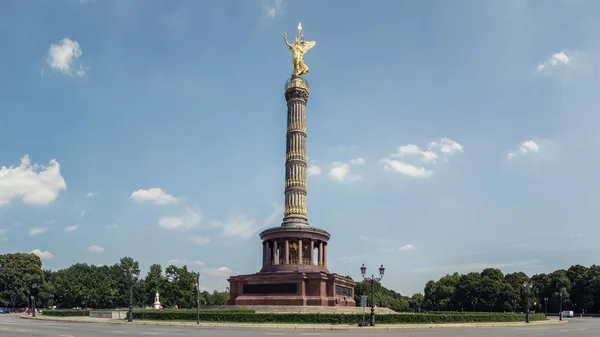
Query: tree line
pixel 577 289
pixel 83 285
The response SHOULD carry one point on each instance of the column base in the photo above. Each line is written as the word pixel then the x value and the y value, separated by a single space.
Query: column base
pixel 294 220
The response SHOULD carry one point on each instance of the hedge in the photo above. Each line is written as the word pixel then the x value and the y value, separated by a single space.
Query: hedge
pixel 72 313
pixel 320 318
pixel 66 313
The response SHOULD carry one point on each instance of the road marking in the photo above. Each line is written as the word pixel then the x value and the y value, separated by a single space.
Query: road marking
pixel 274 333
pixel 118 331
pixel 311 334
pixel 66 336
pixel 566 330
pixel 149 333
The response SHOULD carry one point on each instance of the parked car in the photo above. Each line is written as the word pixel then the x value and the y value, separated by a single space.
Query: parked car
pixel 567 313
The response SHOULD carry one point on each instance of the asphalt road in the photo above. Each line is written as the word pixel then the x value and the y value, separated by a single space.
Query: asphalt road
pixel 13 326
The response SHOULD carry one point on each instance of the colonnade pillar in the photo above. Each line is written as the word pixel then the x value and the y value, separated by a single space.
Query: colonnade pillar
pixel 312 252
pixel 287 252
pixel 300 251
pixel 271 255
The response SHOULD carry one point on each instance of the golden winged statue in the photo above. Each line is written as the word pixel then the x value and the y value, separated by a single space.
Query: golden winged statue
pixel 298 49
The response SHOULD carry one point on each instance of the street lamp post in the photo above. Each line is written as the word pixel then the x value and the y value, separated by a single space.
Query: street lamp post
pixel 528 287
pixel 33 287
pixel 560 313
pixel 197 290
pixel 372 280
pixel 546 307
pixel 131 274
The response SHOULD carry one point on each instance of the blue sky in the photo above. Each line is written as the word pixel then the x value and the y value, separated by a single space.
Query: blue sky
pixel 157 130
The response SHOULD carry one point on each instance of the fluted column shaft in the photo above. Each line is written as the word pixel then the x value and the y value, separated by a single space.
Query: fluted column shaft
pixel 296 95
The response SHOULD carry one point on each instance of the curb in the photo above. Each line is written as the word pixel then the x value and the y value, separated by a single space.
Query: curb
pixel 306 327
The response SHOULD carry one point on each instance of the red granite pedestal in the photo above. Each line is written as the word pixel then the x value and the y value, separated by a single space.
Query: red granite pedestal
pixel 291 288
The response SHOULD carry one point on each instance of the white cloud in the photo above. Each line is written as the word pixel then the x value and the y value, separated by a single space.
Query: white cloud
pixel 275 8
pixel 2 234
pixel 557 59
pixel 407 247
pixel 526 147
pixel 313 170
pixel 222 271
pixel 477 266
pixel 33 184
pixel 567 66
pixel 215 278
pixel 447 146
pixel 239 225
pixel 276 211
pixel 178 262
pixel 428 156
pixel 62 54
pixel 190 219
pixel 199 240
pixel 412 149
pixel 444 147
pixel 82 213
pixel 357 161
pixel 71 228
pixel 340 171
pixel 91 194
pixel 49 222
pixel 95 249
pixel 155 195
pixel 392 165
pixel 44 255
pixel 36 231
pixel 407 150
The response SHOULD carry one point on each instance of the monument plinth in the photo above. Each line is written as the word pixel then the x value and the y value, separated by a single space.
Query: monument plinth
pixel 294 255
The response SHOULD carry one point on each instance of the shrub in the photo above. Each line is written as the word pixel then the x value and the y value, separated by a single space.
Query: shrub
pixel 74 313
pixel 318 318
pixel 66 313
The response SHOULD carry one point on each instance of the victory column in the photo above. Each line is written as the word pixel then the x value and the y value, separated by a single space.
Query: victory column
pixel 291 273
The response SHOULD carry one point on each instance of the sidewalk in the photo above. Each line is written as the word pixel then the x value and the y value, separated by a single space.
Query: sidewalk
pixel 293 326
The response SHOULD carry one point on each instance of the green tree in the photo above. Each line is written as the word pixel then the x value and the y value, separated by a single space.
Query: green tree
pixel 18 272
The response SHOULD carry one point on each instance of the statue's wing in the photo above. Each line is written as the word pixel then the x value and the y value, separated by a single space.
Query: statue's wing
pixel 306 45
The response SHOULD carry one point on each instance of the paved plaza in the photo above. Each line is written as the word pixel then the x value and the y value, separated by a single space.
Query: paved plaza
pixel 13 326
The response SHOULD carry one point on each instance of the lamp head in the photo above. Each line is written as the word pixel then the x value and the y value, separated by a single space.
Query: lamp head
pixel 381 270
pixel 363 270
